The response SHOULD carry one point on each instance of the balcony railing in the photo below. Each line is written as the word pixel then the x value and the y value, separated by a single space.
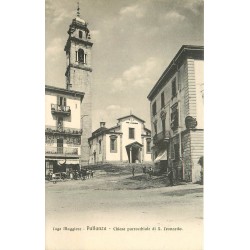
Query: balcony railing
pixel 160 137
pixel 61 151
pixel 60 109
pixel 58 129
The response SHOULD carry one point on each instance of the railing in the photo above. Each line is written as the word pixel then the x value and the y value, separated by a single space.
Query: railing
pixel 60 109
pixel 164 135
pixel 61 150
pixel 57 129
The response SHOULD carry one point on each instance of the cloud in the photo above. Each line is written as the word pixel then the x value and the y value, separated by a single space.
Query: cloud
pixel 136 76
pixel 54 48
pixel 57 12
pixel 95 35
pixel 196 6
pixel 173 16
pixel 135 10
pixel 110 114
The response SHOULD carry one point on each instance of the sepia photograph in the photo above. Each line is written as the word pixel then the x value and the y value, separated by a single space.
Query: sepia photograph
pixel 103 117
pixel 124 126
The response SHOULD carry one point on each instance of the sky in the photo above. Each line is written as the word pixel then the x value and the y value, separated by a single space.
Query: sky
pixel 134 41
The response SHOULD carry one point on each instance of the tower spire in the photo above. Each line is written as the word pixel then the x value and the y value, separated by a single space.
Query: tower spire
pixel 78 9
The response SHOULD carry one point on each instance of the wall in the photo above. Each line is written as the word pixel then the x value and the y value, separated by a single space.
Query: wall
pixel 147 156
pixel 49 119
pixel 100 156
pixel 199 80
pixel 181 85
pixel 72 121
pixel 197 147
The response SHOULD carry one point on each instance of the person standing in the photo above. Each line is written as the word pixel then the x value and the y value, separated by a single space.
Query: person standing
pixel 133 171
pixel 170 171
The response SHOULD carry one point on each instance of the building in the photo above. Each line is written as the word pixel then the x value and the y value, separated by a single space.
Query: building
pixel 128 141
pixel 176 103
pixel 78 75
pixel 63 129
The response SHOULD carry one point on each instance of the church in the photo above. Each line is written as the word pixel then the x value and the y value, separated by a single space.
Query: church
pixel 129 141
pixel 68 121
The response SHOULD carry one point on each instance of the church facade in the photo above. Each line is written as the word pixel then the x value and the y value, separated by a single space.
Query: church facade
pixel 129 142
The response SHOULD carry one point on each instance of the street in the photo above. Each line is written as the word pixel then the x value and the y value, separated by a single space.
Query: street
pixel 100 213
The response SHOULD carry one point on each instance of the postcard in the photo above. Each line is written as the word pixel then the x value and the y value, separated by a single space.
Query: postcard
pixel 124 128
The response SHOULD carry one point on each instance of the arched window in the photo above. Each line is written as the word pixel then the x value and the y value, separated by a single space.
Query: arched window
pixel 80 34
pixel 81 55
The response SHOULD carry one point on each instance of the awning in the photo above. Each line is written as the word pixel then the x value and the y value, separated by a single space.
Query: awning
pixel 161 157
pixel 72 161
pixel 61 162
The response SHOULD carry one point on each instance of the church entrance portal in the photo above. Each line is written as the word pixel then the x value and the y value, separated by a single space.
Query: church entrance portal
pixel 134 151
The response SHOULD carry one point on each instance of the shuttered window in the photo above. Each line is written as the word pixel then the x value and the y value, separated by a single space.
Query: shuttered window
pixel 113 144
pixel 131 133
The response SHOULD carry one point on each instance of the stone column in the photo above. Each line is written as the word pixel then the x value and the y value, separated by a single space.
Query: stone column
pixel 141 155
pixel 130 155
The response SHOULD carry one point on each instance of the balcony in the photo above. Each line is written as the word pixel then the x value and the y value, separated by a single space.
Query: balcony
pixel 160 137
pixel 57 109
pixel 60 130
pixel 57 151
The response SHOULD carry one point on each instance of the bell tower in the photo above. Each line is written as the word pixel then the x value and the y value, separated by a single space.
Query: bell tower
pixel 78 75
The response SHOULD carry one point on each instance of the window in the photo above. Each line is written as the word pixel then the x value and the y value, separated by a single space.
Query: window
pixel 76 56
pixel 113 144
pixel 60 123
pixel 49 167
pixel 61 101
pixel 176 152
pixel 131 133
pixel 163 123
pixel 100 146
pixel 162 100
pixel 80 34
pixel 85 58
pixel 81 55
pixel 174 118
pixel 148 146
pixel 174 93
pixel 155 127
pixel 154 108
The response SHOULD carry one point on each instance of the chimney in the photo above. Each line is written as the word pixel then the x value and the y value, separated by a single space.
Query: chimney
pixel 102 124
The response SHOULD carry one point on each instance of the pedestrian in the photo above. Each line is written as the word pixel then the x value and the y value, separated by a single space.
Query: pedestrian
pixel 92 173
pixel 54 178
pixel 170 171
pixel 150 171
pixel 50 175
pixel 171 176
pixel 144 169
pixel 133 171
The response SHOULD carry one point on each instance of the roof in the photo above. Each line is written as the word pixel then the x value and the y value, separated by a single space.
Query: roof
pixel 99 131
pixel 186 51
pixel 131 116
pixel 134 144
pixel 64 91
